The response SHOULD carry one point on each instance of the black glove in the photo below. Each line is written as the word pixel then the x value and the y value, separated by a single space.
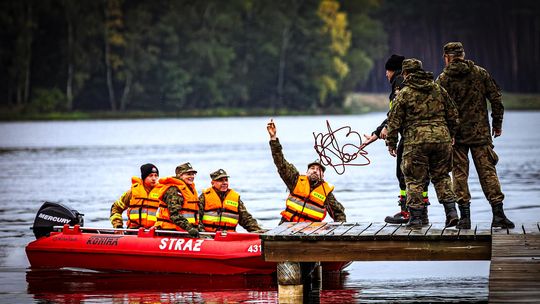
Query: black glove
pixel 193 232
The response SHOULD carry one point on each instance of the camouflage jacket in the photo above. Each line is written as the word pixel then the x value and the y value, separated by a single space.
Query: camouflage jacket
pixel 289 174
pixel 245 219
pixel 118 207
pixel 174 200
pixel 424 111
pixel 469 86
pixel 397 84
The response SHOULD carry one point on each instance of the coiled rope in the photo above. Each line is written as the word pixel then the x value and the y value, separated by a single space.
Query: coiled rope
pixel 338 157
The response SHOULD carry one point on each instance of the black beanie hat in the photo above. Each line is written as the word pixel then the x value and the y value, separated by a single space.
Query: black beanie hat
pixel 394 62
pixel 147 169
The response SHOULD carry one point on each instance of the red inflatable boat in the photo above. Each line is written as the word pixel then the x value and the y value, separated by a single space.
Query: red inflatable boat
pixel 149 251
pixel 103 249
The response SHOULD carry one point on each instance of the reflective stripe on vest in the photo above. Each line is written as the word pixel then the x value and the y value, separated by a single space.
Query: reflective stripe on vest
pixel 305 205
pixel 190 206
pixel 142 208
pixel 218 214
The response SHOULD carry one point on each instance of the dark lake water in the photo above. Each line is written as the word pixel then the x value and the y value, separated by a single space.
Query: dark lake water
pixel 88 164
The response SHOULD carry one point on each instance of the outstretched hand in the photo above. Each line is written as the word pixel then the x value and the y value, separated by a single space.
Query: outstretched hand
pixel 369 140
pixel 271 127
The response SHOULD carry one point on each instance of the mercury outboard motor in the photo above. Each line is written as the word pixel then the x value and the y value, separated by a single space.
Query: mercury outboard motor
pixel 55 214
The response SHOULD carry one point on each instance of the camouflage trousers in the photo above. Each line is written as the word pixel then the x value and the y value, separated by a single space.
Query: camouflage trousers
pixel 422 162
pixel 485 159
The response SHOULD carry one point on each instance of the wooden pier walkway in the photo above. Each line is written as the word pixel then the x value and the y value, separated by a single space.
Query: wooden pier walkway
pixel 514 253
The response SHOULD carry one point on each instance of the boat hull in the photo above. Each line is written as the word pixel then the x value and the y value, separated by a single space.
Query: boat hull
pixel 224 254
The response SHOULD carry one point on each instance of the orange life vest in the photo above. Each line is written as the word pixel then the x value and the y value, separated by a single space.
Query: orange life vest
pixel 304 205
pixel 143 206
pixel 218 214
pixel 190 207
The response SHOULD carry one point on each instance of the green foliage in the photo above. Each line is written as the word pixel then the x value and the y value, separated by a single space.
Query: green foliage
pixel 47 100
pixel 181 55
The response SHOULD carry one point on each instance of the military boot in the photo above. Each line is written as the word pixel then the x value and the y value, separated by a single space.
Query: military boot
pixel 401 217
pixel 465 216
pixel 499 219
pixel 415 220
pixel 451 214
pixel 425 219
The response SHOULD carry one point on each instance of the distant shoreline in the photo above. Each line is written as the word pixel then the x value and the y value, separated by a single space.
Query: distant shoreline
pixel 357 103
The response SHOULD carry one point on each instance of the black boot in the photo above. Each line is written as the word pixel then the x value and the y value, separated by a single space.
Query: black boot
pixel 401 217
pixel 415 221
pixel 425 219
pixel 451 214
pixel 499 219
pixel 465 216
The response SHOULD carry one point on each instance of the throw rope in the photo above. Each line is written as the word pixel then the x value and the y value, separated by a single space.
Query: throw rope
pixel 336 156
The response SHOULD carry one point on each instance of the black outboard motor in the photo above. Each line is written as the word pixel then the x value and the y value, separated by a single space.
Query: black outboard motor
pixel 55 214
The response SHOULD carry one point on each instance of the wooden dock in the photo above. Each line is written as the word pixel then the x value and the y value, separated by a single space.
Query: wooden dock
pixel 514 253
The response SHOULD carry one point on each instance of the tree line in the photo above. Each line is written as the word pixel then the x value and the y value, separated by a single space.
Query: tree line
pixel 174 55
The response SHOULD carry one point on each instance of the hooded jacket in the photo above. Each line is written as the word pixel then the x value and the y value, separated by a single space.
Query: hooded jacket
pixel 423 110
pixel 469 86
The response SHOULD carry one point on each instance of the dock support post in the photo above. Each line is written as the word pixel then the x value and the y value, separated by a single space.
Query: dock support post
pixel 289 277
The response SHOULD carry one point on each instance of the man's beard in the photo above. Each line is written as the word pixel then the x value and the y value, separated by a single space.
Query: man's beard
pixel 314 178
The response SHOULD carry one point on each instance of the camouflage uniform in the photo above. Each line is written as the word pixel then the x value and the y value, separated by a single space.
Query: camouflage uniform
pixel 118 207
pixel 469 85
pixel 245 219
pixel 397 84
pixel 289 174
pixel 428 118
pixel 174 200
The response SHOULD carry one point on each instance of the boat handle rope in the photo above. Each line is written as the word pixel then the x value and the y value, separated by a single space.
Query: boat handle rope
pixel 112 230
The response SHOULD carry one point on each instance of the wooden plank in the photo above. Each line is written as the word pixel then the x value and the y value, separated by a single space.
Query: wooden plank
pixel 372 230
pixel 516 246
pixel 326 229
pixel 293 229
pixel 420 234
pixel 450 233
pixel 517 230
pixel 531 228
pixel 279 229
pixel 376 250
pixel 483 230
pixel 467 233
pixel 402 233
pixel 514 274
pixel 435 231
pixel 342 229
pixel 312 227
pixel 356 230
pixel 386 232
pixel 498 231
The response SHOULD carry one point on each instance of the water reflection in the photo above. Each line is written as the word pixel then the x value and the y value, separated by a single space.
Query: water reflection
pixel 80 286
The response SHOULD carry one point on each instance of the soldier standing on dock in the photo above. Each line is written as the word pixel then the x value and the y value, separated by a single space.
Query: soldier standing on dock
pixel 428 118
pixel 469 86
pixel 310 196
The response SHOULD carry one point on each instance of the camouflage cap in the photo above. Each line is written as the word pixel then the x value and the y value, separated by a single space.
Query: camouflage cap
pixel 411 65
pixel 184 168
pixel 453 48
pixel 318 163
pixel 219 173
